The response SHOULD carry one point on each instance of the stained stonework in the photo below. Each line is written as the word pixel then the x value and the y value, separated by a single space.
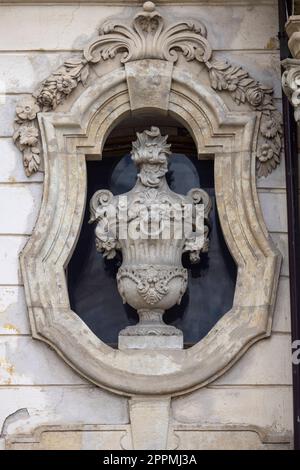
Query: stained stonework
pixel 243 398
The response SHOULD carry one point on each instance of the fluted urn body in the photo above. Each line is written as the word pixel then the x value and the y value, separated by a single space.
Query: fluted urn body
pixel 152 226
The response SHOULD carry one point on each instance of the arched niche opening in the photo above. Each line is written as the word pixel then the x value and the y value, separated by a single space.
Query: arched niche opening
pixel 69 139
pixel 92 279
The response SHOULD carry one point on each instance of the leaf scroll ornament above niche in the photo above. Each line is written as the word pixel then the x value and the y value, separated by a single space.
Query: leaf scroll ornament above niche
pixel 148 37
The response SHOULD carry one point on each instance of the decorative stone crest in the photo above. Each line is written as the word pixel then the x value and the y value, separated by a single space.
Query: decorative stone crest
pixel 149 37
pixel 149 225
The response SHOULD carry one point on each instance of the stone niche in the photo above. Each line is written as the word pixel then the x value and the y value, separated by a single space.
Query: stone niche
pixel 148 66
pixel 211 282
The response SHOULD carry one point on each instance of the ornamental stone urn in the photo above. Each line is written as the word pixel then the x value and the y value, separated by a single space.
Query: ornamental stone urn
pixel 152 227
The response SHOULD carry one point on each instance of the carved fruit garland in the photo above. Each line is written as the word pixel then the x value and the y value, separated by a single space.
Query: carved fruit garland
pixel 52 92
pixel 243 88
pixel 148 37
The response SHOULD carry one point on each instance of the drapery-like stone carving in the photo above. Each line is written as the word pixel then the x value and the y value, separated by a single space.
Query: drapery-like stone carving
pixel 152 226
pixel 149 37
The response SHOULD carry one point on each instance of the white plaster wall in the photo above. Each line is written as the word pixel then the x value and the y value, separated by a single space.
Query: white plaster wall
pixel 251 405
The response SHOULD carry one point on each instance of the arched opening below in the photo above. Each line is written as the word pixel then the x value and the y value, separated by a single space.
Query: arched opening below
pixel 92 279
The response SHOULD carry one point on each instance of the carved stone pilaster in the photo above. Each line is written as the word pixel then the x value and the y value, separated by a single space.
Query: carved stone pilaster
pixel 152 416
pixel 291 84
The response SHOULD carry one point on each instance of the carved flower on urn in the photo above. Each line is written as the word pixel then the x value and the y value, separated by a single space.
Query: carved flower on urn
pixel 107 247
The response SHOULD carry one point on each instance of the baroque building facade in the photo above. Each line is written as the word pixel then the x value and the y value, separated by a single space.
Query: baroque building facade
pixel 169 103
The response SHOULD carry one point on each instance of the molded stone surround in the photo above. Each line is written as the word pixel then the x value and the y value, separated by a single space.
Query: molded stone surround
pixel 230 136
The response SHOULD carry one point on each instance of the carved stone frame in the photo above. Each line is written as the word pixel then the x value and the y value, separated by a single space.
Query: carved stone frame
pixel 67 139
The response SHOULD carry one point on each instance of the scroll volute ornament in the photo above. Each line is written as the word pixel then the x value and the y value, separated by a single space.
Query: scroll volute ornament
pixel 152 227
pixel 149 38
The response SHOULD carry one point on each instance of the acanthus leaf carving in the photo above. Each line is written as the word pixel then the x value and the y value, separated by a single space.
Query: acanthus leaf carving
pixel 100 208
pixel 152 281
pixel 198 242
pixel 149 37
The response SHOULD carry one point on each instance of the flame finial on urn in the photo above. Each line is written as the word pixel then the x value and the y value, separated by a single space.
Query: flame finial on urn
pixel 152 226
pixel 150 153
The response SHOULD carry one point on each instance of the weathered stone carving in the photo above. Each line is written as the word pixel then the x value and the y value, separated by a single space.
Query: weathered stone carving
pixel 26 135
pixel 291 84
pixel 244 88
pixel 150 226
pixel 46 255
pixel 51 93
pixel 153 282
pixel 149 37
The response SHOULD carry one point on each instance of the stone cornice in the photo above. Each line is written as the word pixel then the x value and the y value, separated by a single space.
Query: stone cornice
pixel 139 3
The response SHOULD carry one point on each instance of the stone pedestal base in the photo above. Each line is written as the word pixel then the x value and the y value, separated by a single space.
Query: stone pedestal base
pixel 150 333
